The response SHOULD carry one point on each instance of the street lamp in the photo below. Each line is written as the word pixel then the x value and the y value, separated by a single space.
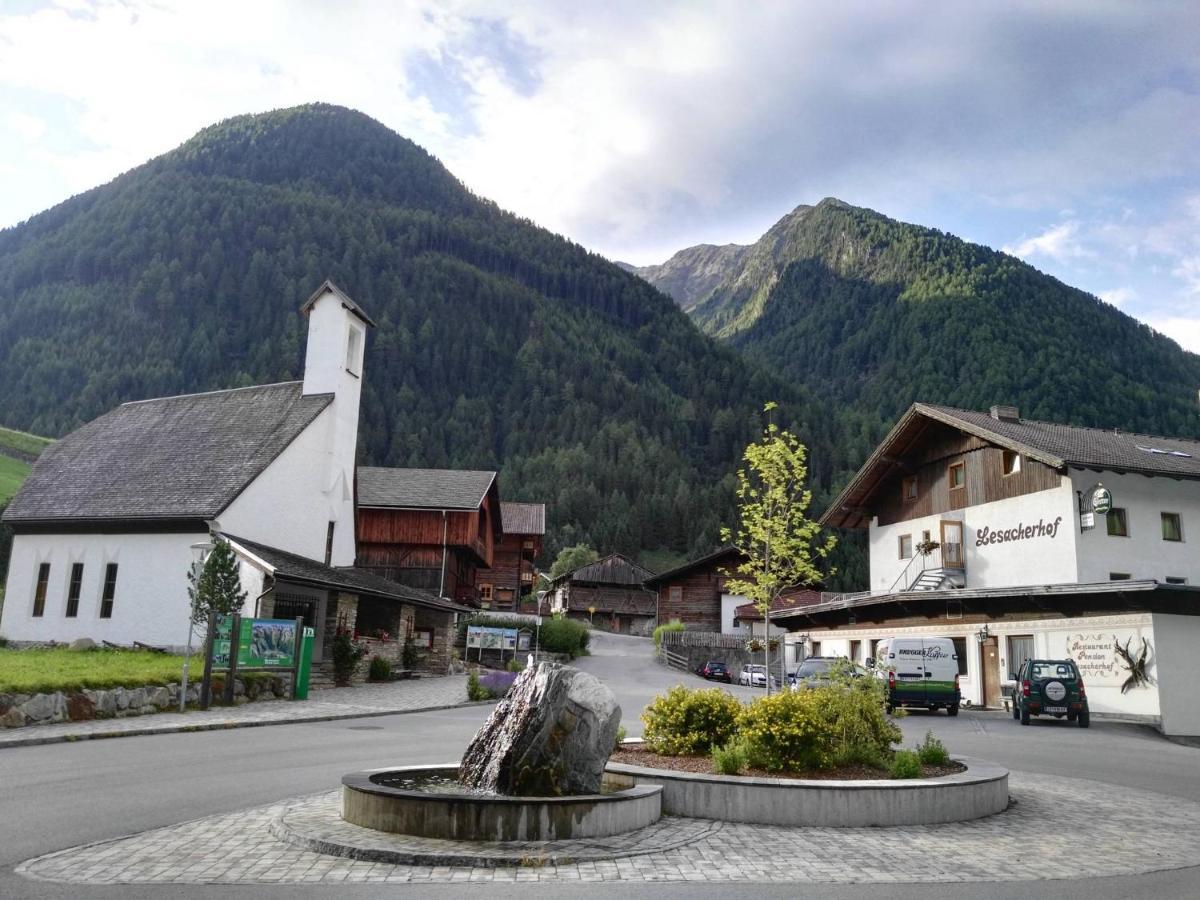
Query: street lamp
pixel 983 634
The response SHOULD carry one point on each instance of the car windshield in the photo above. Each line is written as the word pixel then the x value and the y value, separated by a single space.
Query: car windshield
pixel 814 667
pixel 754 668
pixel 1040 670
pixel 717 667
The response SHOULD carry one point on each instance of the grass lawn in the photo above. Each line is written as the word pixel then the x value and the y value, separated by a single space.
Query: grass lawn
pixel 59 669
pixel 12 473
pixel 31 444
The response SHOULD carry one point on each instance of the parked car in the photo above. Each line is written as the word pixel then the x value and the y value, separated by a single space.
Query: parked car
pixel 1051 687
pixel 715 671
pixel 920 671
pixel 815 671
pixel 756 676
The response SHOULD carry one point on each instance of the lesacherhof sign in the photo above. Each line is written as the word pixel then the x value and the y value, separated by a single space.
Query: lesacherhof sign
pixel 1022 532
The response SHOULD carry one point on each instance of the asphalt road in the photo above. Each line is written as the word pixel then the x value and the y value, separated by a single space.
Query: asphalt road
pixel 62 795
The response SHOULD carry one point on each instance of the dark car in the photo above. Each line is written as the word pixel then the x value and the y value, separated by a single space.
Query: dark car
pixel 715 671
pixel 817 671
pixel 1051 687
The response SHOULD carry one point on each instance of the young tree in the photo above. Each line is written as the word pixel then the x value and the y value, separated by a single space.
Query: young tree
pixel 779 543
pixel 216 587
pixel 571 558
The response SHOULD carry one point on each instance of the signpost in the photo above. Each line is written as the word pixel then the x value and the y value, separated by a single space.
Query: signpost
pixel 1095 501
pixel 257 645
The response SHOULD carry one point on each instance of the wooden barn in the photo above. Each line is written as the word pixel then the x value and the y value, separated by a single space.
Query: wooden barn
pixel 694 593
pixel 514 566
pixel 610 593
pixel 432 529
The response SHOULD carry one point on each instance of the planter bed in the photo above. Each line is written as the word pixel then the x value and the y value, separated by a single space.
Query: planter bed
pixel 703 765
pixel 979 789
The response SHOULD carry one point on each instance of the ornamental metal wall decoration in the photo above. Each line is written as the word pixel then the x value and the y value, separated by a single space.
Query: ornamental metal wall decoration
pixel 1138 676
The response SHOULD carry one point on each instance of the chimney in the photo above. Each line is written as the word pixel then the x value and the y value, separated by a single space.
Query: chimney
pixel 1006 414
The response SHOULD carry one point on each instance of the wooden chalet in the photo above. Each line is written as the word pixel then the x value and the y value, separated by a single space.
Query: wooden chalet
pixel 432 529
pixel 514 566
pixel 610 593
pixel 692 593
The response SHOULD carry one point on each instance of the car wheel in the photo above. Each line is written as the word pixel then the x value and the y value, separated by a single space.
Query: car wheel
pixel 952 710
pixel 1024 715
pixel 1084 719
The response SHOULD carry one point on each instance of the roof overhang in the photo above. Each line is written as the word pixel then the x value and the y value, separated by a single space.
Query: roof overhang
pixel 994 603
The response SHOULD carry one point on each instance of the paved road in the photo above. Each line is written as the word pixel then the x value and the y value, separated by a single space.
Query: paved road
pixel 64 795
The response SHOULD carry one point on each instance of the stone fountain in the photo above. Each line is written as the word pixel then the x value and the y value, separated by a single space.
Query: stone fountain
pixel 533 772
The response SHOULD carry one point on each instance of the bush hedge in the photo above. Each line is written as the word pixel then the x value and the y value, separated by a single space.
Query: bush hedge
pixel 685 722
pixel 673 625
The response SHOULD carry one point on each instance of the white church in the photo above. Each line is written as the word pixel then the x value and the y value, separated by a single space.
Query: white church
pixel 114 514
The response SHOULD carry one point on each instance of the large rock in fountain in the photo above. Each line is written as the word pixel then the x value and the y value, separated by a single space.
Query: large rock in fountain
pixel 552 735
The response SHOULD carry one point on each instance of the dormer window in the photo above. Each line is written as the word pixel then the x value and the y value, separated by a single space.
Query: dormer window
pixel 908 488
pixel 353 345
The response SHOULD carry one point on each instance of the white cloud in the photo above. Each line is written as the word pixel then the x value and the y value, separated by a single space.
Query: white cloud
pixel 1118 296
pixel 1184 330
pixel 1060 243
pixel 28 128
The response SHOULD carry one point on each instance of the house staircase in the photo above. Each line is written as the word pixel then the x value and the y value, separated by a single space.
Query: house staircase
pixel 938 579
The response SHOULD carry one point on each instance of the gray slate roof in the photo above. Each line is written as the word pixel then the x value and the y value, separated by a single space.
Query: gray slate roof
pixel 523 518
pixel 423 488
pixel 1072 445
pixel 173 458
pixel 612 569
pixel 291 567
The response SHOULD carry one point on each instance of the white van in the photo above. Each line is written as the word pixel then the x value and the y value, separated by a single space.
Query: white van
pixel 920 671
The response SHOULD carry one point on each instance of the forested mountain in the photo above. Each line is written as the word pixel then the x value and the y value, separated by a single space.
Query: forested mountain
pixel 869 314
pixel 691 275
pixel 499 344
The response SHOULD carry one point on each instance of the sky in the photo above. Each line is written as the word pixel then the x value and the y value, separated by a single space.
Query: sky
pixel 1066 133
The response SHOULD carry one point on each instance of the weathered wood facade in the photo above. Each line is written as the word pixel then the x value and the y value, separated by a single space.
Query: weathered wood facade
pixel 417 529
pixel 983 475
pixel 610 594
pixel 514 565
pixel 691 593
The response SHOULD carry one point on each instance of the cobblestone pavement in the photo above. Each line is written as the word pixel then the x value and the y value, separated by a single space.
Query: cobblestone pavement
pixel 321 705
pixel 315 823
pixel 1058 828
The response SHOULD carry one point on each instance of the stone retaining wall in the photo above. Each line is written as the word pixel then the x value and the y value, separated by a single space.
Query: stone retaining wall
pixel 18 710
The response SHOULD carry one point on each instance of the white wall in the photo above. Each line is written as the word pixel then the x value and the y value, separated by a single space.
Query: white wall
pixel 150 603
pixel 1053 639
pixel 729 605
pixel 1143 554
pixel 1174 656
pixel 290 505
pixel 1036 559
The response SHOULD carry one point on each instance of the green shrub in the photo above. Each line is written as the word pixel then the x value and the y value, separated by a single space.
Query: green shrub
pixel 514 665
pixel 619 738
pixel 860 730
pixel 380 669
pixel 932 752
pixel 673 625
pixel 686 722
pixel 730 759
pixel 475 690
pixel 346 656
pixel 787 732
pixel 906 764
pixel 410 656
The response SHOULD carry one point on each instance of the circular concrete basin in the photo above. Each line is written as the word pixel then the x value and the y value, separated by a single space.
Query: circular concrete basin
pixel 373 800
pixel 982 790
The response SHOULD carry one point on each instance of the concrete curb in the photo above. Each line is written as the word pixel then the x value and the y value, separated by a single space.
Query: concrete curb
pixel 35 740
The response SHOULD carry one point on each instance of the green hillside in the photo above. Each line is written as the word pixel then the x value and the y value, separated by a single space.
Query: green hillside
pixel 499 344
pixel 869 314
pixel 17 452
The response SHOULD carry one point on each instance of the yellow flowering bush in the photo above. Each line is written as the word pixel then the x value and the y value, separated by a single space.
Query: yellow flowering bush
pixel 685 722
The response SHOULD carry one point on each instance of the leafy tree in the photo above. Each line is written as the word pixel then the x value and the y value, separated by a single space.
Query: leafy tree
pixel 571 558
pixel 779 544
pixel 216 587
